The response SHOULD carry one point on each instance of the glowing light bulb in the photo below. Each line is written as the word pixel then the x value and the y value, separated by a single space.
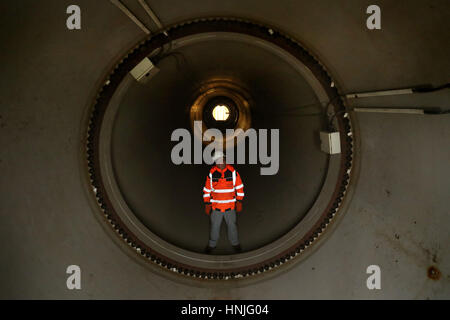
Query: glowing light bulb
pixel 221 112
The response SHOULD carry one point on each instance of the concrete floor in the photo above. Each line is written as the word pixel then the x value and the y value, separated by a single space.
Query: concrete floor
pixel 398 218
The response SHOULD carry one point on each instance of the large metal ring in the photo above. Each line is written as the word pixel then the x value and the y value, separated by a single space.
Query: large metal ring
pixel 177 261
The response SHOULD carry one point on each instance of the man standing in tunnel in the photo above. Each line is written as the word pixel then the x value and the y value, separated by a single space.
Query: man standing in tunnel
pixel 223 194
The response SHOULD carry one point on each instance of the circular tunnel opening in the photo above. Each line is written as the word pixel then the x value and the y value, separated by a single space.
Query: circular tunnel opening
pixel 221 113
pixel 167 198
pixel 156 206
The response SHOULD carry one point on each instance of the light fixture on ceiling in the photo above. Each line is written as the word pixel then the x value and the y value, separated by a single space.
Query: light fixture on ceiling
pixel 221 112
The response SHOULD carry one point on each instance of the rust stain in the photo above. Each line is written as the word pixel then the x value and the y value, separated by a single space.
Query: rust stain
pixel 433 273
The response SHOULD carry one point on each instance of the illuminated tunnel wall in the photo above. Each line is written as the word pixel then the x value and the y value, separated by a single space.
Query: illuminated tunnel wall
pixel 161 207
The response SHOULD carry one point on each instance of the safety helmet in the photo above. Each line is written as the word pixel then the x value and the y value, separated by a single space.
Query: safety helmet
pixel 218 155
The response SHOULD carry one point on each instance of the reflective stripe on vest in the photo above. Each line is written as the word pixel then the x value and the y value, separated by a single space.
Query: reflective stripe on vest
pixel 223 201
pixel 223 190
pixel 234 179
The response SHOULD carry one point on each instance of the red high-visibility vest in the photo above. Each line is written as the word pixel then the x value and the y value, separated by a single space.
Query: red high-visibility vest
pixel 223 188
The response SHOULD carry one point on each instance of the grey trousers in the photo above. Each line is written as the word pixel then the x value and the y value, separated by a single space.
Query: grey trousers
pixel 216 221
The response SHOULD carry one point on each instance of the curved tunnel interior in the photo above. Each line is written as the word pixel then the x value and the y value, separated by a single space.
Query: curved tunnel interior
pixel 167 198
pixel 73 118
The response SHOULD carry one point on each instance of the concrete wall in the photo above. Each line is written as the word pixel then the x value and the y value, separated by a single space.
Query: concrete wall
pixel 399 215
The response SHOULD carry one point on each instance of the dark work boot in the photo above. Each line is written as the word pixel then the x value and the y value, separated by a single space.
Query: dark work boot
pixel 208 249
pixel 237 248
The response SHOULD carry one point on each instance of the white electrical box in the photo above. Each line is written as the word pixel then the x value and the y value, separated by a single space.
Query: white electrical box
pixel 330 142
pixel 144 70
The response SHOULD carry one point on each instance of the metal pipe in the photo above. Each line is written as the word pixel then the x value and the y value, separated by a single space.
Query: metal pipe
pixel 379 93
pixel 389 110
pixel 130 15
pixel 151 14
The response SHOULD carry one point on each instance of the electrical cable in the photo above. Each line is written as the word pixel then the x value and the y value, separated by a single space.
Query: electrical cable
pixel 436 112
pixel 425 89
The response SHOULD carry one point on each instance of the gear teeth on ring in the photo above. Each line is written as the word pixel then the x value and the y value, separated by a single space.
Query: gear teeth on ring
pixel 135 244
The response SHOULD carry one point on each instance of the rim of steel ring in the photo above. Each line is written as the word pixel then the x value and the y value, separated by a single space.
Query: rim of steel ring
pixel 192 27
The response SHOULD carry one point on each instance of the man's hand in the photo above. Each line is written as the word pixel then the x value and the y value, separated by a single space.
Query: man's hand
pixel 238 206
pixel 208 208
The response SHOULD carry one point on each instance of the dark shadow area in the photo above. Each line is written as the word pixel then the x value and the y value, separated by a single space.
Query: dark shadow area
pixel 168 198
